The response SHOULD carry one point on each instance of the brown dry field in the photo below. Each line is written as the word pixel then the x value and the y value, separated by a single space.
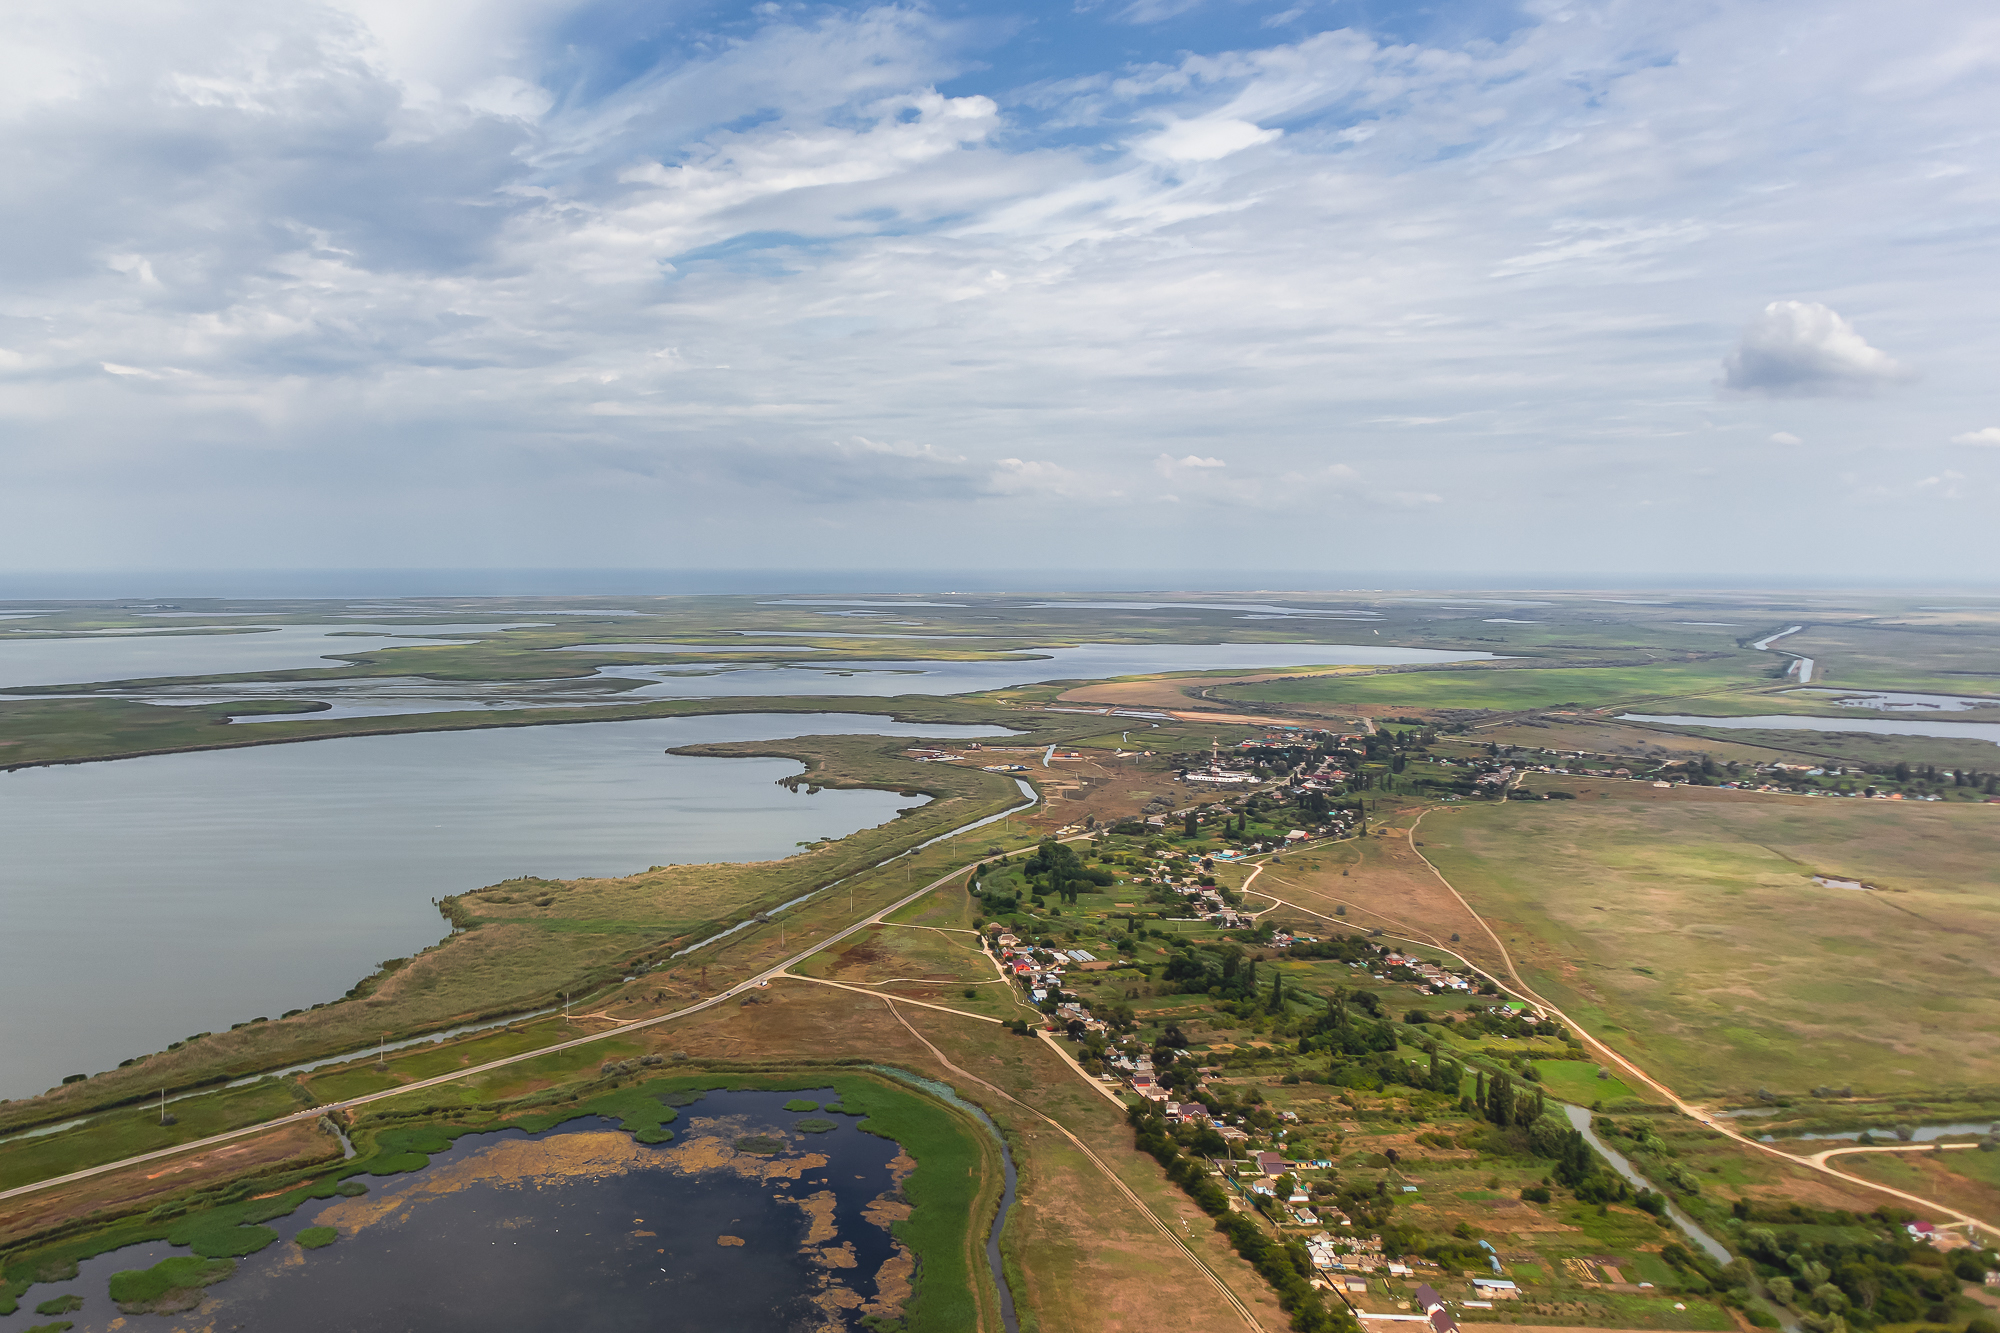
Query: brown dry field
pixel 1104 789
pixel 120 1193
pixel 1933 1177
pixel 1387 885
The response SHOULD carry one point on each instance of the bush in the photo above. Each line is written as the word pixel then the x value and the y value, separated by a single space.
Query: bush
pixel 798 1104
pixel 1536 1194
pixel 316 1238
pixel 69 1304
pixel 140 1290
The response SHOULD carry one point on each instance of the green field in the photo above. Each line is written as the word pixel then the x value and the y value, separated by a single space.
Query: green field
pixel 1577 1081
pixel 1690 933
pixel 130 1131
pixel 1513 688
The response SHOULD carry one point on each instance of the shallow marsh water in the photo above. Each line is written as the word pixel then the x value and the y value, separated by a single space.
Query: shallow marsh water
pixel 143 654
pixel 772 676
pixel 1901 726
pixel 577 1228
pixel 193 891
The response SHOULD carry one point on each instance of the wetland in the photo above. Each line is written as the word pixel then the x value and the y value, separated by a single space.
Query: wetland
pixel 761 1210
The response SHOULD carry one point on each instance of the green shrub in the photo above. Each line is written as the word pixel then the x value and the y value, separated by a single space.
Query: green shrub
pixel 69 1304
pixel 316 1238
pixel 139 1290
pixel 801 1104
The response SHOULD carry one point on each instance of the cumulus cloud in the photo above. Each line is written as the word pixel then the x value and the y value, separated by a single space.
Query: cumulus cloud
pixel 1801 349
pixel 1991 435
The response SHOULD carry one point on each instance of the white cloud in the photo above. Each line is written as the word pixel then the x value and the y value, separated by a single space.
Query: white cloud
pixel 1990 435
pixel 1204 140
pixel 457 244
pixel 1801 349
pixel 1786 437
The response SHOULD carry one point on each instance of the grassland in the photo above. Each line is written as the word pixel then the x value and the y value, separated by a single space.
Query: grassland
pixel 1958 1179
pixel 1689 933
pixel 1509 689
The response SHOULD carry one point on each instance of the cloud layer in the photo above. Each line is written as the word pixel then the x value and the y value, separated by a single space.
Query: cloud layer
pixel 517 282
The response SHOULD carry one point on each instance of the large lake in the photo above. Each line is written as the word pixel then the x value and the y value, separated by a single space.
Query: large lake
pixel 386 697
pixel 579 1228
pixel 148 899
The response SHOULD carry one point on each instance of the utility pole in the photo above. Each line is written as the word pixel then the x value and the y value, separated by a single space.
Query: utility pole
pixel 382 1052
pixel 163 1107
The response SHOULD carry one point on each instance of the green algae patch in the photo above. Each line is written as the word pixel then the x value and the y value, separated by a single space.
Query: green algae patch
pixel 814 1125
pixel 169 1285
pixel 316 1238
pixel 760 1145
pixel 798 1104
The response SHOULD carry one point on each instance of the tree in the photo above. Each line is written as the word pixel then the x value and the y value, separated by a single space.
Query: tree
pixel 1188 826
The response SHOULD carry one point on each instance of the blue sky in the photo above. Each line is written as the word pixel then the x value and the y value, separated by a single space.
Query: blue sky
pixel 1699 288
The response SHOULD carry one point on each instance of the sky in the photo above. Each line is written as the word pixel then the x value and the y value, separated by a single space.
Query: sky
pixel 1338 285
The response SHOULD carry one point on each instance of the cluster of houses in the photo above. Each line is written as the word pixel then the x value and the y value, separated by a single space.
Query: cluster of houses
pixel 1041 971
pixel 1436 980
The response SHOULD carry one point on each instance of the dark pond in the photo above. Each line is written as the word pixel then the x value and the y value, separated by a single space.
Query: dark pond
pixel 577 1228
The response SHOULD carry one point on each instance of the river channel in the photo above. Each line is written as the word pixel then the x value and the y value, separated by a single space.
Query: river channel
pixel 577 1228
pixel 148 899
pixel 1878 726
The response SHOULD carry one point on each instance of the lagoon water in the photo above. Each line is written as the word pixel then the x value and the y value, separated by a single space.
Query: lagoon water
pixel 1891 700
pixel 1912 726
pixel 775 676
pixel 1089 661
pixel 144 654
pixel 148 899
pixel 578 1228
